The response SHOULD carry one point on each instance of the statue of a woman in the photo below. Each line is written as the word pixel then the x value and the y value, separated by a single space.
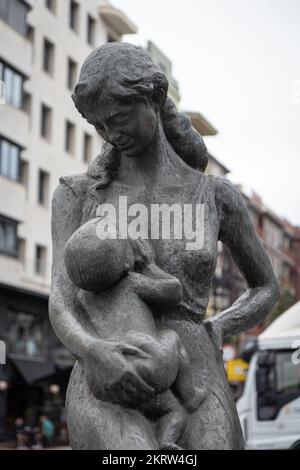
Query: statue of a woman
pixel 152 155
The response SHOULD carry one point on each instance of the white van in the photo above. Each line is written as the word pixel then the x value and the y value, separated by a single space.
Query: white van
pixel 269 408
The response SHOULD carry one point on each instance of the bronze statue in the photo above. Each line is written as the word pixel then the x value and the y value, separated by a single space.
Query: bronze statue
pixel 149 372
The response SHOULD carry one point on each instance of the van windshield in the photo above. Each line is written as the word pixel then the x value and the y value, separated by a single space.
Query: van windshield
pixel 287 372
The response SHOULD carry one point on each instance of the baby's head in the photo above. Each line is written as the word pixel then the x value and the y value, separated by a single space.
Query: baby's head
pixel 95 264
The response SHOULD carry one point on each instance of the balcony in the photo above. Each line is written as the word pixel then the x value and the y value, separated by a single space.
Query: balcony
pixel 117 20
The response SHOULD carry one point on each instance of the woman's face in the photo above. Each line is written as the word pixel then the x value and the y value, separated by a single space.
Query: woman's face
pixel 128 126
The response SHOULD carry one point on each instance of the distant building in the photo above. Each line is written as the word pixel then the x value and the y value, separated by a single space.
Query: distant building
pixel 200 123
pixel 281 241
pixel 165 65
pixel 42 137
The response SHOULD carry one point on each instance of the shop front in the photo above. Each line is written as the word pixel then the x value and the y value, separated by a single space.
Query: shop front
pixel 34 379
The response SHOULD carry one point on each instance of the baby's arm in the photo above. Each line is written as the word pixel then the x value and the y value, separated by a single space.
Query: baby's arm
pixel 153 284
pixel 156 290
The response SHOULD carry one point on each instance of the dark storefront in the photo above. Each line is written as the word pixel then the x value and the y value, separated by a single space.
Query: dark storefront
pixel 34 379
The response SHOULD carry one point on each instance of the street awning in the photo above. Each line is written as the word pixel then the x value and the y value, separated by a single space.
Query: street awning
pixel 34 371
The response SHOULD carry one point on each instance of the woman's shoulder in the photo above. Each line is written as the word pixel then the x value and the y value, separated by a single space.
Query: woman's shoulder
pixel 69 195
pixel 73 187
pixel 78 184
pixel 226 194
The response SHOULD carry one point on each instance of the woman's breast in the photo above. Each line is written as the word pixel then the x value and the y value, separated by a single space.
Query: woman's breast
pixel 193 267
pixel 186 243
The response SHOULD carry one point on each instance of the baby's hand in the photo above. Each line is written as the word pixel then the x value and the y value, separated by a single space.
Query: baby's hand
pixel 143 252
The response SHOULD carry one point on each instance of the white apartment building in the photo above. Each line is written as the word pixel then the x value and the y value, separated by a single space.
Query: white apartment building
pixel 42 137
pixel 42 134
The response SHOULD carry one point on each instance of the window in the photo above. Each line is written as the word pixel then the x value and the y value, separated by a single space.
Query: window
pixel 27 101
pixel 14 13
pixel 46 115
pixel 51 5
pixel 22 251
pixel 287 373
pixel 40 260
pixel 74 16
pixel 48 57
pixel 70 138
pixel 10 161
pixel 3 8
pixel 91 25
pixel 72 74
pixel 287 243
pixel 13 85
pixel 26 335
pixel 24 170
pixel 43 187
pixel 87 148
pixel 8 236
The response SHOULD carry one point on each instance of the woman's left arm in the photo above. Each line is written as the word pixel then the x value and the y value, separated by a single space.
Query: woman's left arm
pixel 237 233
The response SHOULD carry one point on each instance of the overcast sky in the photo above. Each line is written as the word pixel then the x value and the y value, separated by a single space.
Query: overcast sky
pixel 238 63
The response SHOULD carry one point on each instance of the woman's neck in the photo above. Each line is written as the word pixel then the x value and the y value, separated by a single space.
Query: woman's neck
pixel 157 163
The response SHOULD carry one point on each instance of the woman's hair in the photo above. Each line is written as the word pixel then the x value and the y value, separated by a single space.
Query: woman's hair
pixel 125 72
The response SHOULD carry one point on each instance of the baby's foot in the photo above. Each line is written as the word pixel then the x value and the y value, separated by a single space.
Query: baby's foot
pixel 169 446
pixel 195 400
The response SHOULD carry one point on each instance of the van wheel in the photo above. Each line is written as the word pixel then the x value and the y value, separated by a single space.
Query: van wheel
pixel 296 445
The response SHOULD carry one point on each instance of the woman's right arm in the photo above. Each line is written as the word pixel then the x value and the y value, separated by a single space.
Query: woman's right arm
pixel 109 375
pixel 66 215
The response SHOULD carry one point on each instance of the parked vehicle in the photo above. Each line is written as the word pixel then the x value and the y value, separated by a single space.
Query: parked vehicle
pixel 269 408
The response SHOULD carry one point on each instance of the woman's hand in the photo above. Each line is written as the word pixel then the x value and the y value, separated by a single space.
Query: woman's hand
pixel 110 376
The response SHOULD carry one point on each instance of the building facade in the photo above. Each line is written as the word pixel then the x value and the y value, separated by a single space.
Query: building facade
pixel 281 241
pixel 42 46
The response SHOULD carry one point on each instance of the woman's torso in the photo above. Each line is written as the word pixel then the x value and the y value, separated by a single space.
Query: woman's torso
pixel 194 268
pixel 215 425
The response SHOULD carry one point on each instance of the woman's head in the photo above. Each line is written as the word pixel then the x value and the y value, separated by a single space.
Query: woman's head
pixel 120 92
pixel 95 264
pixel 123 93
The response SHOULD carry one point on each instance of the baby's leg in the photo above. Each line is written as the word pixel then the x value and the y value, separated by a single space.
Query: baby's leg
pixel 176 360
pixel 171 419
pixel 161 367
pixel 167 364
